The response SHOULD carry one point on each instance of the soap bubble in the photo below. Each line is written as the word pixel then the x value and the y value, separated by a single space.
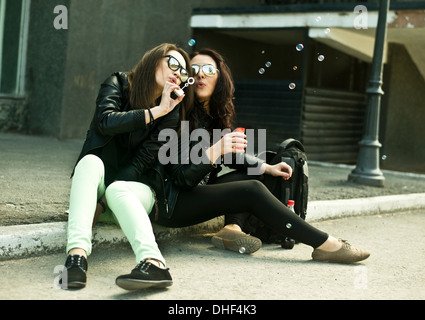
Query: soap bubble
pixel 288 225
pixel 384 157
pixel 261 71
pixel 299 47
pixel 294 68
pixel 292 86
pixel 318 19
pixel 242 250
pixel 327 30
pixel 321 57
pixel 268 64
pixel 263 52
pixel 191 42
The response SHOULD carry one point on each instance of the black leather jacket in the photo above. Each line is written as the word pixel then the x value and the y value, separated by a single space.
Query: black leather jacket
pixel 132 146
pixel 168 180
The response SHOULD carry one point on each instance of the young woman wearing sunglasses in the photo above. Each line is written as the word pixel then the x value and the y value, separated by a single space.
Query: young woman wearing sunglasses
pixel 131 110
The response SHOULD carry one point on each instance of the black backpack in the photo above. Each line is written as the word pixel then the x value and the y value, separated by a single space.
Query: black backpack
pixel 293 153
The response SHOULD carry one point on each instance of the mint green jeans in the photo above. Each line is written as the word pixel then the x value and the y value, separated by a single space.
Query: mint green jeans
pixel 129 204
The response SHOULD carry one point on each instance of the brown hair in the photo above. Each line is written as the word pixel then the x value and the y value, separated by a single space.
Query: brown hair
pixel 142 80
pixel 221 101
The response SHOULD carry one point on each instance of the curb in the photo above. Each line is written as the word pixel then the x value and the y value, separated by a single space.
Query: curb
pixel 23 241
pixel 333 209
pixel 38 239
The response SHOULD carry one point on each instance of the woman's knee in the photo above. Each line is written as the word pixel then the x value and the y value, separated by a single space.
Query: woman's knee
pixel 114 188
pixel 90 162
pixel 255 190
pixel 130 188
pixel 255 186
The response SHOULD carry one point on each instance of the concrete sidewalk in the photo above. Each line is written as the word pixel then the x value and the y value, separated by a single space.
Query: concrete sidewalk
pixel 34 184
pixel 394 271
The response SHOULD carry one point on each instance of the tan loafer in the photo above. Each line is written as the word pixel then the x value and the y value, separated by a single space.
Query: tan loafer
pixel 347 254
pixel 237 241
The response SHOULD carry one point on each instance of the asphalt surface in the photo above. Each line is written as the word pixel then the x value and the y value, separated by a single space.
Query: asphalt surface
pixel 389 221
pixel 201 272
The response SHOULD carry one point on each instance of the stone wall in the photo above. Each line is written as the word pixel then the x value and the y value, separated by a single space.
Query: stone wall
pixel 13 115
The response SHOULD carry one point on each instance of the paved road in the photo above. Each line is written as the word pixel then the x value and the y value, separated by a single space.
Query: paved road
pixel 202 272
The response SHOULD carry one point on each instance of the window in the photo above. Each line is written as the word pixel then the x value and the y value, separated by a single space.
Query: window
pixel 14 18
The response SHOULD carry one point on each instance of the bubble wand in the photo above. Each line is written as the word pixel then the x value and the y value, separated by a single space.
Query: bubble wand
pixel 180 91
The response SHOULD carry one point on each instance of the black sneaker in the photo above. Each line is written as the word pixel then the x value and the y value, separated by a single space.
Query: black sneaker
pixel 145 275
pixel 74 274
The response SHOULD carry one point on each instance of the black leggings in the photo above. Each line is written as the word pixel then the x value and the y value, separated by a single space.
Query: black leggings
pixel 238 198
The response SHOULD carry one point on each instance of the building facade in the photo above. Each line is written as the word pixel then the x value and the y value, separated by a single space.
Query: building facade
pixel 301 68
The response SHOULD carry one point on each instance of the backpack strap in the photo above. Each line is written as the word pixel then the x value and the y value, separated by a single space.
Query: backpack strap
pixel 288 143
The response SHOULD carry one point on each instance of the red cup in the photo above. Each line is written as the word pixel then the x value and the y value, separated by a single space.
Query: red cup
pixel 240 130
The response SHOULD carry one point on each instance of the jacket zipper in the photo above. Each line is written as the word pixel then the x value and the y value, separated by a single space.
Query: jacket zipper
pixel 165 196
pixel 163 188
pixel 166 204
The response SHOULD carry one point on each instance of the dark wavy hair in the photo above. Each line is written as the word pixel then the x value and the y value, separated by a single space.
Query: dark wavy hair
pixel 222 108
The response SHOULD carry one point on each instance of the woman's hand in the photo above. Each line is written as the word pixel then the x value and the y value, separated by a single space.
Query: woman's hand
pixel 231 142
pixel 167 103
pixel 280 169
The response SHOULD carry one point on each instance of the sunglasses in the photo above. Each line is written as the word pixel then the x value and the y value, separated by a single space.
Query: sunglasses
pixel 208 69
pixel 175 65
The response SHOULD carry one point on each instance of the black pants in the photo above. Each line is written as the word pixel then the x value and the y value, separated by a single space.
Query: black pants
pixel 236 195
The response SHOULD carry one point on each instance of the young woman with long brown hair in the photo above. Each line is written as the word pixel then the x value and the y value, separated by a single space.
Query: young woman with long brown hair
pixel 131 110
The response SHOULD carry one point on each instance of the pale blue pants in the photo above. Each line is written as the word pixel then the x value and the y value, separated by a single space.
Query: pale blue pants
pixel 129 204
